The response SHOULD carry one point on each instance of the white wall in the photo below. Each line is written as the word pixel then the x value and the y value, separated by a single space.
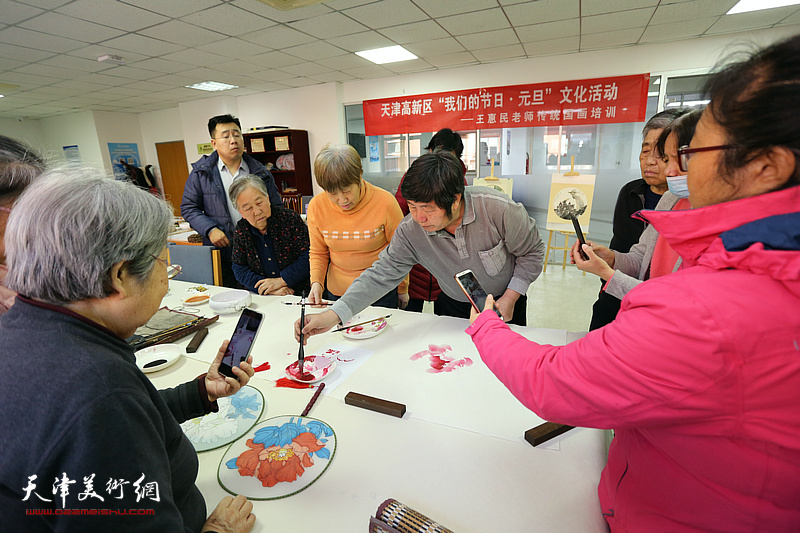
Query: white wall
pixel 118 128
pixel 27 130
pixel 74 129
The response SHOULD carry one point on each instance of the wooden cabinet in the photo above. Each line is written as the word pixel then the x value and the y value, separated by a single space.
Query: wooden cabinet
pixel 268 146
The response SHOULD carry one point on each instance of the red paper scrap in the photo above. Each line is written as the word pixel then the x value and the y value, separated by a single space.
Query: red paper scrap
pixel 262 367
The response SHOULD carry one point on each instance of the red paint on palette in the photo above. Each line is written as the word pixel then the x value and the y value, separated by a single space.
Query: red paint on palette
pixel 289 384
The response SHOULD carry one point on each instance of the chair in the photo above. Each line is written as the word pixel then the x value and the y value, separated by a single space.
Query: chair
pixel 199 264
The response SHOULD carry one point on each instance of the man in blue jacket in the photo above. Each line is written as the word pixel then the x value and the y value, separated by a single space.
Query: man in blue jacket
pixel 205 205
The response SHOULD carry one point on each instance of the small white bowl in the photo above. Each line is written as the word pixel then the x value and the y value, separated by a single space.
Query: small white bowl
pixel 230 301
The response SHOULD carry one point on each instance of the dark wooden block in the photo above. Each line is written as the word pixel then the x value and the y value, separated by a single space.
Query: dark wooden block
pixel 375 404
pixel 545 432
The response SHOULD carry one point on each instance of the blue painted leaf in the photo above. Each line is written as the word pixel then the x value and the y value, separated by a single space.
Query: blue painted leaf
pixel 325 453
pixel 232 463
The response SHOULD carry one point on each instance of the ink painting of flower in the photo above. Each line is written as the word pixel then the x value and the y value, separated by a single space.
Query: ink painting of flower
pixel 283 456
pixel 236 416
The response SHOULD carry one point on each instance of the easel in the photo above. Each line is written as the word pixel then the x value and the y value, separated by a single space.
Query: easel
pixel 551 245
pixel 560 184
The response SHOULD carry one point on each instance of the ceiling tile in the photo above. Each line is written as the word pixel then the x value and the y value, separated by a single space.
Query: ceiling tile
pixel 300 82
pixel 443 8
pixel 315 51
pixel 228 20
pixel 488 39
pixel 45 4
pixel 678 12
pixel 329 25
pixel 751 21
pixel 515 51
pixel 610 39
pixel 277 37
pixel 14 12
pixel 140 44
pixel 414 65
pixel 344 4
pixel 486 20
pixel 636 18
pixel 10 64
pixel 417 31
pixel 131 73
pixel 371 71
pixel 173 8
pixel 792 19
pixel 30 80
pixel 348 61
pixel 367 40
pixel 66 26
pixel 161 65
pixel 21 53
pixel 60 73
pixel 565 45
pixel 273 60
pixel 195 57
pixel 182 33
pixel 435 47
pixel 451 60
pixel 386 13
pixel 332 76
pixel 122 16
pixel 598 7
pixel 542 11
pixel 93 51
pixel 549 30
pixel 677 30
pixel 232 47
pixel 307 69
pixel 277 15
pixel 38 40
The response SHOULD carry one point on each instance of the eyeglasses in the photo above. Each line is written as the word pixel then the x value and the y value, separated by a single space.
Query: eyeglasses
pixel 685 153
pixel 226 136
pixel 172 270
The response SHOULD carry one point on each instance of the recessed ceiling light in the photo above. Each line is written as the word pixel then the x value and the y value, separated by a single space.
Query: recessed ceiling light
pixel 745 6
pixel 390 54
pixel 212 86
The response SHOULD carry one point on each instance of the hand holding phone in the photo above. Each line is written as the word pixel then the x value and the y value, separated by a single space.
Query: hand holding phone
pixel 241 341
pixel 473 291
pixel 579 236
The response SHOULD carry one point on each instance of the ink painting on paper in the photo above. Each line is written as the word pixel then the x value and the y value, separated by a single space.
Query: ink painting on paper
pixel 278 458
pixel 440 360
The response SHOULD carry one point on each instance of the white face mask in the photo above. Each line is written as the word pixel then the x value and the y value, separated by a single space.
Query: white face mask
pixel 678 186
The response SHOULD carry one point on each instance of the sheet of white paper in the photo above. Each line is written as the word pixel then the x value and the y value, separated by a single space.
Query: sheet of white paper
pixel 348 360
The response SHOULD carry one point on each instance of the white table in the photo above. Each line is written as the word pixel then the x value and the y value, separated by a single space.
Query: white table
pixel 458 455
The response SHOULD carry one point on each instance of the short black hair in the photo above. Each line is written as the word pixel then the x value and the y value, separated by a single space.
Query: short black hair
pixel 447 139
pixel 221 119
pixel 683 127
pixel 435 177
pixel 755 101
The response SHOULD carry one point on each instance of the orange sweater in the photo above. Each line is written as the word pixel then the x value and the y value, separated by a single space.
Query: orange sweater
pixel 346 243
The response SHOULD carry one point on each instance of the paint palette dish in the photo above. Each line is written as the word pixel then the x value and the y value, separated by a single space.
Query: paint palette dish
pixel 196 299
pixel 277 458
pixel 315 368
pixel 364 331
pixel 157 357
pixel 236 416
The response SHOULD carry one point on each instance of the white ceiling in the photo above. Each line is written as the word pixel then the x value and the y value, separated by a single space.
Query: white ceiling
pixel 49 48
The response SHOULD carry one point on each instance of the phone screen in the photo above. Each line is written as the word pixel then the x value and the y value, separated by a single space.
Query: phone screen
pixel 241 341
pixel 472 288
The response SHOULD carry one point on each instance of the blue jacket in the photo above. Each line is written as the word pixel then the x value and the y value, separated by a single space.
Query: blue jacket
pixel 205 204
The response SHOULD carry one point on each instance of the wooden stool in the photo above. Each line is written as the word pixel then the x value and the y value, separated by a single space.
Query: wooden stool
pixel 566 248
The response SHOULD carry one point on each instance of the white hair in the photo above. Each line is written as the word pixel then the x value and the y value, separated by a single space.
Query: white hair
pixel 240 184
pixel 70 227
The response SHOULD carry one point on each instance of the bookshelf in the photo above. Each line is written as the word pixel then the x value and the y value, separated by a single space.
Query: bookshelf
pixel 268 146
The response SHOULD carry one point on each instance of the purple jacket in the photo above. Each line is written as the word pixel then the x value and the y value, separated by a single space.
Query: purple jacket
pixel 699 375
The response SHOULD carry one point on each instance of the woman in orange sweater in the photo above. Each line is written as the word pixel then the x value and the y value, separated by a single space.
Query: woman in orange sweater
pixel 349 225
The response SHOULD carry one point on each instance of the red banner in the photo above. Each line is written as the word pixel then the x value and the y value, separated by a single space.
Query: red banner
pixel 565 103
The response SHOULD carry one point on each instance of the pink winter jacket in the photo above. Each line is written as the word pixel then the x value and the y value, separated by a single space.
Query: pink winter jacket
pixel 699 375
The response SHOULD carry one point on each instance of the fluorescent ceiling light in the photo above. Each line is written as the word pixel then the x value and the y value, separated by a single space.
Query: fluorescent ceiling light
pixel 390 54
pixel 745 6
pixel 212 86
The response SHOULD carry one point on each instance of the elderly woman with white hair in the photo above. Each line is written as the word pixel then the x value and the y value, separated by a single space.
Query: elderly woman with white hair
pixel 270 244
pixel 87 254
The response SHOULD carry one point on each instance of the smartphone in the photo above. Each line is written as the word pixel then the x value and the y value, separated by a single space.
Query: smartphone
pixel 473 290
pixel 241 341
pixel 579 235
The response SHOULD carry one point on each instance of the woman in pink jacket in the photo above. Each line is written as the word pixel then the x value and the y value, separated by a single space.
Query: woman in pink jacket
pixel 700 373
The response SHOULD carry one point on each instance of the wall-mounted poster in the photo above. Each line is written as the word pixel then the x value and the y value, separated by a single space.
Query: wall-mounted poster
pixel 128 152
pixel 72 153
pixel 373 151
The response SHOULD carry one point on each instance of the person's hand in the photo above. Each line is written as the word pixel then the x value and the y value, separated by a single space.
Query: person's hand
pixel 473 314
pixel 218 238
pixel 219 386
pixel 505 304
pixel 315 324
pixel 402 300
pixel 232 515
pixel 315 295
pixel 283 291
pixel 270 285
pixel 597 263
